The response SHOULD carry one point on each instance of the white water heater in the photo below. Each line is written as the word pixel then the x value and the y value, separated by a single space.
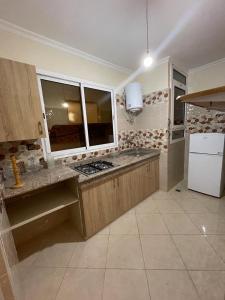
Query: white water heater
pixel 134 101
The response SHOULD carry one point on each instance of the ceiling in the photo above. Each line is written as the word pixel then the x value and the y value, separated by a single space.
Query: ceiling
pixel 114 30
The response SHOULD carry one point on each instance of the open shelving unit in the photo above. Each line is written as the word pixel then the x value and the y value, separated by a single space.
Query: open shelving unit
pixel 31 214
pixel 33 207
pixel 212 99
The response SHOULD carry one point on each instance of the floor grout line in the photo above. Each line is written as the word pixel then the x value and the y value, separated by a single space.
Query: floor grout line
pixel 146 275
pixel 107 251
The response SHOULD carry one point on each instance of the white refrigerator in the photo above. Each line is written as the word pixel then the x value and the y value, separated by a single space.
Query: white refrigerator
pixel 206 165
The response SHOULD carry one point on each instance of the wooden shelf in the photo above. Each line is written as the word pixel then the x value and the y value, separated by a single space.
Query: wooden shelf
pixel 32 207
pixel 213 99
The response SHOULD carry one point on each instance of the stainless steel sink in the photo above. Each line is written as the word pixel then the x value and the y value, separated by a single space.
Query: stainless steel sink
pixel 137 152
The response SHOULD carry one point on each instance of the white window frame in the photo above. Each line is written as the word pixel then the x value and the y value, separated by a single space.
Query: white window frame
pixel 175 83
pixel 82 84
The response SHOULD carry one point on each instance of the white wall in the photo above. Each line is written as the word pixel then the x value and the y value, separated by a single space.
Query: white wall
pixel 154 116
pixel 155 79
pixel 207 76
pixel 24 49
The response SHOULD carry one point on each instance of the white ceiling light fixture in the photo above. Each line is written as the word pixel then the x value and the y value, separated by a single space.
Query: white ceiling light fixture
pixel 65 105
pixel 148 60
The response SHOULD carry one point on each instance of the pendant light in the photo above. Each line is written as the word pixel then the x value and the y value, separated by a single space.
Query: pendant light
pixel 148 60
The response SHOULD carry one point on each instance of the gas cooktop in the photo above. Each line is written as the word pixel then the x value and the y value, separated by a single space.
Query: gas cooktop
pixel 94 167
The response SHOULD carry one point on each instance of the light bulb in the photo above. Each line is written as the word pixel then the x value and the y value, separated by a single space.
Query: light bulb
pixel 65 105
pixel 148 61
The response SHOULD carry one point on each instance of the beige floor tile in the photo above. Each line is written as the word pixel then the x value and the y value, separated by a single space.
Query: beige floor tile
pixel 124 251
pixel 209 223
pixel 160 195
pixel 82 284
pixel 218 243
pixel 197 253
pixel 215 205
pixel 126 224
pixel 42 283
pixel 180 224
pixel 160 253
pixel 125 285
pixel 151 224
pixel 91 253
pixel 210 284
pixel 57 255
pixel 192 205
pixel 147 206
pixel 171 285
pixel 104 231
pixel 169 206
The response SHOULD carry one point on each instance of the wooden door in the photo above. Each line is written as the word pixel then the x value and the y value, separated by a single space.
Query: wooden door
pixel 100 205
pixel 20 110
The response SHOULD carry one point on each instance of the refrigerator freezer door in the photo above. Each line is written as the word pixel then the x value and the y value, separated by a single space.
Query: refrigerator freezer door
pixel 205 173
pixel 209 143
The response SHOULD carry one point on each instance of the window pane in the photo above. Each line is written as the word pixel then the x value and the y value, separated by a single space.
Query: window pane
pixel 179 107
pixel 64 115
pixel 177 134
pixel 179 77
pixel 99 116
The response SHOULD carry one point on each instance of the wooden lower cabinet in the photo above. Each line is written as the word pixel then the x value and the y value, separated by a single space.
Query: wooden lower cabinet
pixel 105 200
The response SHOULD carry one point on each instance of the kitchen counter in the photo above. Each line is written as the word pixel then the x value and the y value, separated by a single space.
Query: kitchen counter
pixel 45 177
pixel 120 160
pixel 39 179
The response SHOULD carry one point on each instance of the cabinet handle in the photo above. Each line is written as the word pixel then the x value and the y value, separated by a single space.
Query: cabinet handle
pixel 117 182
pixel 40 130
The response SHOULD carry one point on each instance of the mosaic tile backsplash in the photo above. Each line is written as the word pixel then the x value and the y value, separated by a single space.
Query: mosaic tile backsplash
pixel 148 99
pixel 199 120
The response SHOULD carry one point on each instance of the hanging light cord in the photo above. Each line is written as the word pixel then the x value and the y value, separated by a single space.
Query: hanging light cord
pixel 147 25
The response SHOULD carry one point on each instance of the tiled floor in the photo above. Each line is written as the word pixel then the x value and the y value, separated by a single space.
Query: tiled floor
pixel 169 247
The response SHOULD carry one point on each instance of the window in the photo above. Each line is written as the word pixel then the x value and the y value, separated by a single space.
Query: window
pixel 99 116
pixel 79 117
pixel 177 135
pixel 179 107
pixel 179 81
pixel 179 77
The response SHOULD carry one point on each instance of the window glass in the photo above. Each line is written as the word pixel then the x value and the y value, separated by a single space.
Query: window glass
pixel 99 116
pixel 64 116
pixel 179 107
pixel 179 77
pixel 177 134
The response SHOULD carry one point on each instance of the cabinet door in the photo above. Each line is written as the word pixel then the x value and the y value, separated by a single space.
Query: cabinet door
pixel 154 175
pixel 133 187
pixel 126 196
pixel 20 110
pixel 100 206
pixel 137 184
pixel 150 178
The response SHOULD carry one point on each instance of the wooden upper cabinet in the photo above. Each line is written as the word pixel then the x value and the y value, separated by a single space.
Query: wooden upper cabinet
pixel 20 107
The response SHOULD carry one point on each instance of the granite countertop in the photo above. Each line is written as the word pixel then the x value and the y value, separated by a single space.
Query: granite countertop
pixel 39 179
pixel 45 177
pixel 119 161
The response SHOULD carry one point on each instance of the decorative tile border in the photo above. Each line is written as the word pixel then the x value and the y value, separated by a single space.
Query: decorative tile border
pixel 145 138
pixel 200 120
pixel 161 96
pixel 29 155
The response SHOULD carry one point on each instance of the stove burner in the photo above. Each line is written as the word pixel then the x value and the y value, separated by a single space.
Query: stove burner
pixel 94 167
pixel 101 165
